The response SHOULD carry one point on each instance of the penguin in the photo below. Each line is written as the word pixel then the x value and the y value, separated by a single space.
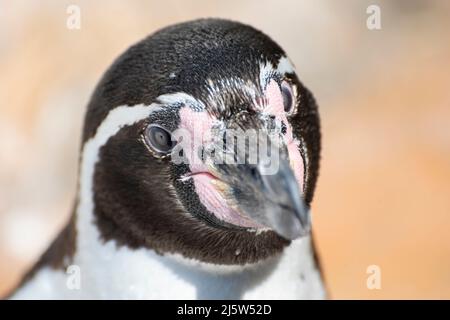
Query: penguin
pixel 167 206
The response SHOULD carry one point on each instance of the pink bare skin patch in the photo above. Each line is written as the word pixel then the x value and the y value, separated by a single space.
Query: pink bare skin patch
pixel 209 188
pixel 276 107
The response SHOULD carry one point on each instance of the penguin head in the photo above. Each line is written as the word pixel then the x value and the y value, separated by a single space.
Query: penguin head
pixel 202 142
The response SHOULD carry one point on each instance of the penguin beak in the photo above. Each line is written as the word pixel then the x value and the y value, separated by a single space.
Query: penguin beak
pixel 278 203
pixel 286 211
pixel 269 197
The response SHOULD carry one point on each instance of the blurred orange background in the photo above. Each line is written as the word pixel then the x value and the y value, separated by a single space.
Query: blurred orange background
pixel 383 195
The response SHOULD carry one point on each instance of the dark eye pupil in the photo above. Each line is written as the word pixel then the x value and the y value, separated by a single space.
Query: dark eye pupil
pixel 159 139
pixel 287 98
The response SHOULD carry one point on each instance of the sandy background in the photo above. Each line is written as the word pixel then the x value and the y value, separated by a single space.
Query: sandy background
pixel 383 193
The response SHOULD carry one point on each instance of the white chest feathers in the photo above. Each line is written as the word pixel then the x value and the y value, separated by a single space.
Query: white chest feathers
pixel 122 273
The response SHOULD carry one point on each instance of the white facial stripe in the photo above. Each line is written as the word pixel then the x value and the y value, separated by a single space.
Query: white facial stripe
pixel 285 66
pixel 214 99
pixel 267 70
pixel 114 121
pixel 180 97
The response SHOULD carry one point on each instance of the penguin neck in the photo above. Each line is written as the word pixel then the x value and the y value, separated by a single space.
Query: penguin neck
pixel 112 272
pixel 121 272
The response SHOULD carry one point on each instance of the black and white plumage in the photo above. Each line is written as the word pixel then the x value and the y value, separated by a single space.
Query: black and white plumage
pixel 147 227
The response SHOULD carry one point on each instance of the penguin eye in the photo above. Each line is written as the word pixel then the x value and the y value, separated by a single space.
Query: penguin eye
pixel 288 96
pixel 158 139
